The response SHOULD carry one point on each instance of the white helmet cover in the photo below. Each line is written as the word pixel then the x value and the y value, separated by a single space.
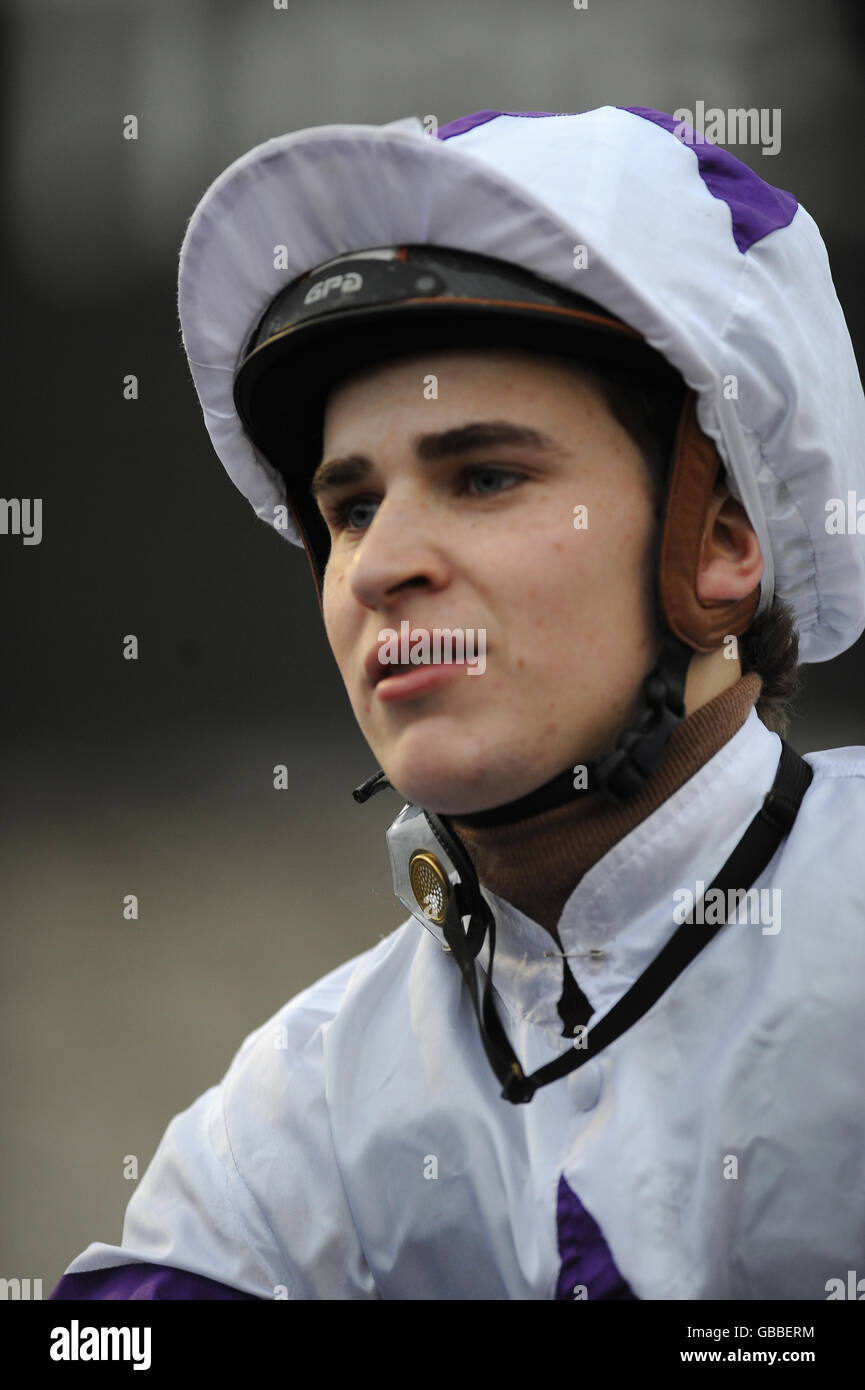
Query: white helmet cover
pixel 724 275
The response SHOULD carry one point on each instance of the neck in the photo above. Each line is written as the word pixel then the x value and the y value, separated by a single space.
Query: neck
pixel 536 863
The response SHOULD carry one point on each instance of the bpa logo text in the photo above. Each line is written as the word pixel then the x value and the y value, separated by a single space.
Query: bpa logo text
pixel 346 284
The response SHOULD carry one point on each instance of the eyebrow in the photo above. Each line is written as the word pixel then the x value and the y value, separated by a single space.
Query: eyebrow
pixel 481 434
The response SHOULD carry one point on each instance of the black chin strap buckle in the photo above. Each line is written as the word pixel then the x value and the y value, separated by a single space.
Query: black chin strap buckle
pixel 371 787
pixel 639 752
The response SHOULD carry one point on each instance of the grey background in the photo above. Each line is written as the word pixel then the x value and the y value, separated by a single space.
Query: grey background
pixel 155 776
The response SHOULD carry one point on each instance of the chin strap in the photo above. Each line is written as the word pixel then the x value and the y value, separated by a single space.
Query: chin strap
pixel 617 775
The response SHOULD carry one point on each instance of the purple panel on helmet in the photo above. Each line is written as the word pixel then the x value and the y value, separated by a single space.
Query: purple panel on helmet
pixel 757 208
pixel 585 1255
pixel 464 123
pixel 143 1281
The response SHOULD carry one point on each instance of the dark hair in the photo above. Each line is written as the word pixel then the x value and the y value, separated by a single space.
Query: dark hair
pixel 770 646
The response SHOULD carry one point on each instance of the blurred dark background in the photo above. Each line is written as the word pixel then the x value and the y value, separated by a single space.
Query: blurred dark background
pixel 154 776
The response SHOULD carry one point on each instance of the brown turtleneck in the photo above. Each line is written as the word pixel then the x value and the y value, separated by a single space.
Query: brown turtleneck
pixel 535 864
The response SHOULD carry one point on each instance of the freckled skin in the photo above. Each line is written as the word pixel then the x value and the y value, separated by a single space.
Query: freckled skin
pixel 568 615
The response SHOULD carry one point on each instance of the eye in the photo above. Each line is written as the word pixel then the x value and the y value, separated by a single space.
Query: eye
pixel 482 480
pixel 488 478
pixel 345 513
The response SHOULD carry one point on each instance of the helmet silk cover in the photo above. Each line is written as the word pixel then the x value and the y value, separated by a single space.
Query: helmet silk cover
pixel 724 275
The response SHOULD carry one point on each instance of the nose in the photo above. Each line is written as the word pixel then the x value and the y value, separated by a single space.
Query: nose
pixel 403 548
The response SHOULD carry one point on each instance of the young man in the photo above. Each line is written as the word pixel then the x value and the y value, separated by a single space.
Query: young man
pixel 559 406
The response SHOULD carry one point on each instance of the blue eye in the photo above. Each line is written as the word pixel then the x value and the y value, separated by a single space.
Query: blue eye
pixel 490 474
pixel 476 480
pixel 350 506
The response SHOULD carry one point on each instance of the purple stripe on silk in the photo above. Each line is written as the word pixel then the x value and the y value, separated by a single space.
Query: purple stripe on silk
pixel 757 208
pixel 143 1281
pixel 585 1255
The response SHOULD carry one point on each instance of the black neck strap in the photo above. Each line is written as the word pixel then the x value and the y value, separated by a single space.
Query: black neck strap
pixel 747 861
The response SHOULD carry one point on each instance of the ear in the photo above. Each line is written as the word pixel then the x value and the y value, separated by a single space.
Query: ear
pixel 731 564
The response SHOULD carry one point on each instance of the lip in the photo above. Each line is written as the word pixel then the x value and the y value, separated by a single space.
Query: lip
pixel 391 682
pixel 376 670
pixel 419 681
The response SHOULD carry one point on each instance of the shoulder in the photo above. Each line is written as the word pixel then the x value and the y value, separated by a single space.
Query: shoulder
pixel 276 1125
pixel 244 1188
pixel 276 1093
pixel 826 841
pixel 295 1034
pixel 833 809
pixel 836 764
pixel 819 877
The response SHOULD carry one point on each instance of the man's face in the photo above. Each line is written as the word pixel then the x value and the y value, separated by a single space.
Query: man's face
pixel 439 520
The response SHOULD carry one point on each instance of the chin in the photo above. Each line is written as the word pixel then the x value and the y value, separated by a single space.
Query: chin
pixel 448 795
pixel 449 776
pixel 446 791
pixel 445 798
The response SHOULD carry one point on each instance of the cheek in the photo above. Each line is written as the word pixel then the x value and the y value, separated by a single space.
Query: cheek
pixel 571 582
pixel 332 608
pixel 343 620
